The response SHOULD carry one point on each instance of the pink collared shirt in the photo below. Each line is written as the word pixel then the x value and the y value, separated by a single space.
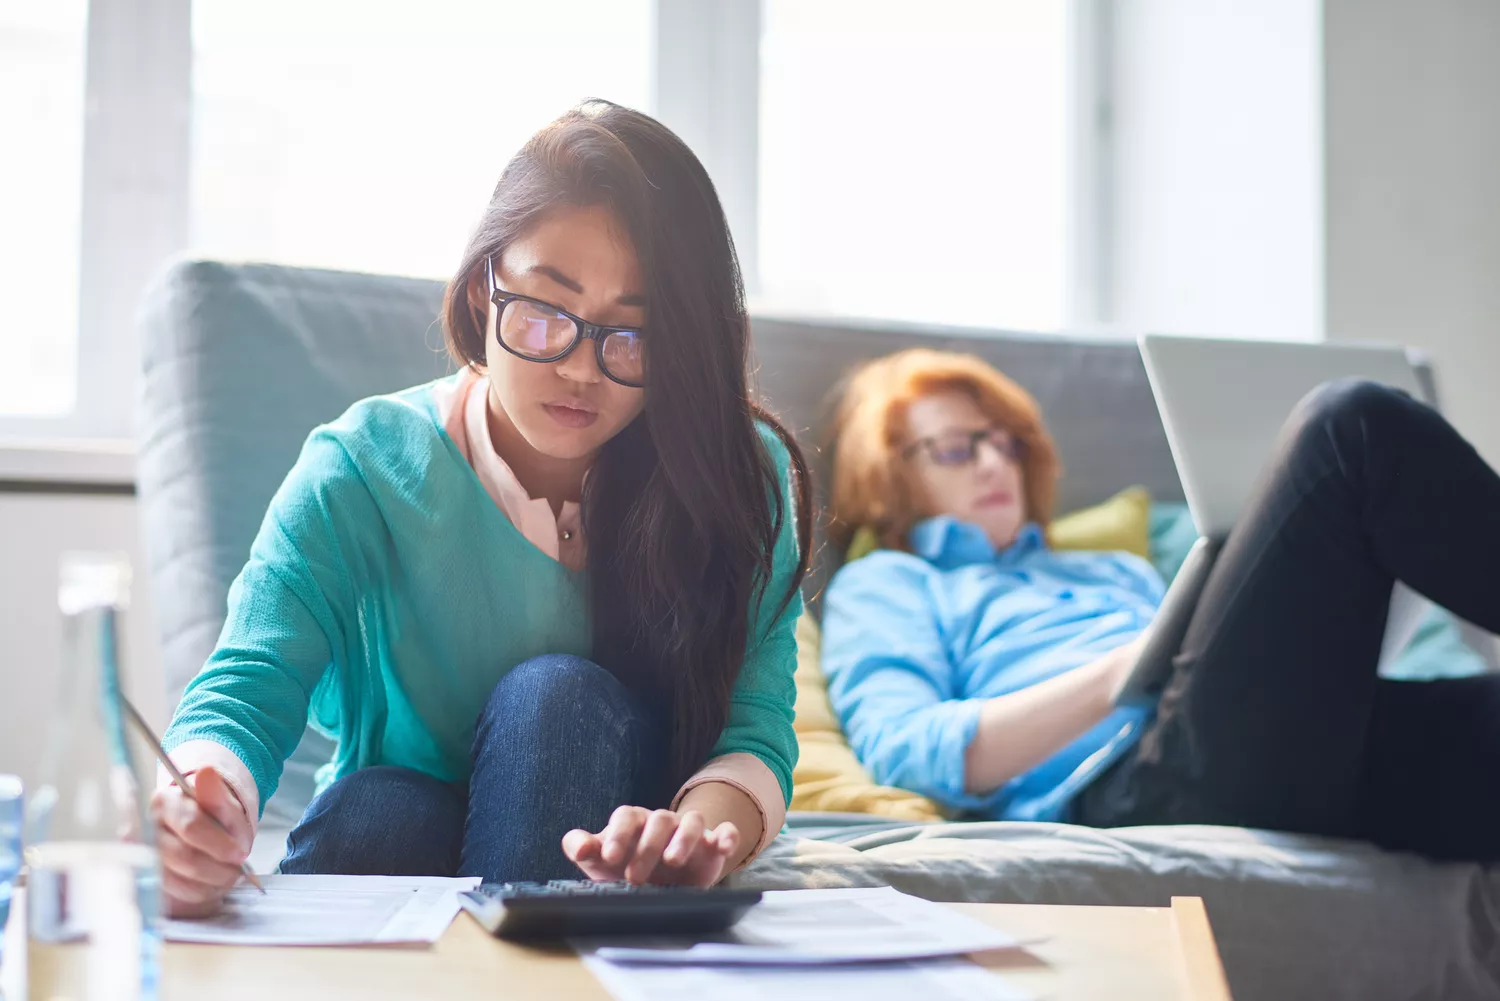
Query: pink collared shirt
pixel 463 412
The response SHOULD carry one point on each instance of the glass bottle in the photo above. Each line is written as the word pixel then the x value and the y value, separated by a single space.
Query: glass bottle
pixel 93 885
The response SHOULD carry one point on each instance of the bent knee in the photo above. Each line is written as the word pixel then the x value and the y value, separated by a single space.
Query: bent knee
pixel 554 683
pixel 1346 410
pixel 1339 399
pixel 381 820
pixel 370 797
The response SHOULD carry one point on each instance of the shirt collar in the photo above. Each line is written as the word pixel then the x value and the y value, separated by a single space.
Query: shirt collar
pixel 948 543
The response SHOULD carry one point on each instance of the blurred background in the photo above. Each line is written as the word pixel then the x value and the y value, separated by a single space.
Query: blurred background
pixel 1264 168
pixel 1284 169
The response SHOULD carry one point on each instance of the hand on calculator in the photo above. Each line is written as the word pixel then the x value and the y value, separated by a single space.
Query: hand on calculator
pixel 654 846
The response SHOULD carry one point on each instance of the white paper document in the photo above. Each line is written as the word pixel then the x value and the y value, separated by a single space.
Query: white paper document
pixel 330 910
pixel 819 927
pixel 928 980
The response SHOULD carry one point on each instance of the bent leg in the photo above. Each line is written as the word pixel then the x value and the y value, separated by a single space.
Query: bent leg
pixel 1431 782
pixel 1268 717
pixel 560 744
pixel 381 821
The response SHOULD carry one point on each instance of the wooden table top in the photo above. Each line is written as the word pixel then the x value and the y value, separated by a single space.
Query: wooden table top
pixel 1120 953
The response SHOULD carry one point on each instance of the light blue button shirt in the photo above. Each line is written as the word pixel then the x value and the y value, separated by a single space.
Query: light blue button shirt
pixel 914 643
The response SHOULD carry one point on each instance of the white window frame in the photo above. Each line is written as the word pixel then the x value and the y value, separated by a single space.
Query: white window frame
pixel 705 85
pixel 1090 281
pixel 134 202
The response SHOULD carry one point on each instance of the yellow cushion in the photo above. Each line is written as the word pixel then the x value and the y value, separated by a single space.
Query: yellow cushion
pixel 1120 524
pixel 864 543
pixel 828 776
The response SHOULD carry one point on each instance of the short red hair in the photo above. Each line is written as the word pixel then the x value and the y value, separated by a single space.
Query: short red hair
pixel 870 486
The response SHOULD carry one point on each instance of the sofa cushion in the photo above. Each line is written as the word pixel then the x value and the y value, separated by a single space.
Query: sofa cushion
pixel 1120 524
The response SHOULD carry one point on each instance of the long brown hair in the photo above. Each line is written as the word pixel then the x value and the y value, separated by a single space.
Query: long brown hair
pixel 682 508
pixel 870 484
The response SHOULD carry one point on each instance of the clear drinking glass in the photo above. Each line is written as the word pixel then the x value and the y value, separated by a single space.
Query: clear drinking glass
pixel 92 892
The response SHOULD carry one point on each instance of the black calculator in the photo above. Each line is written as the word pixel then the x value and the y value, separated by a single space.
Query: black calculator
pixel 578 907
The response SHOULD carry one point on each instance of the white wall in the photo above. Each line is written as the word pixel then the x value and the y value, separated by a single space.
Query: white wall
pixel 1215 211
pixel 1413 191
pixel 35 528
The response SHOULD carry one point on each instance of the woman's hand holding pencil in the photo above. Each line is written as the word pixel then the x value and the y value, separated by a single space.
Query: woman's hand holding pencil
pixel 203 844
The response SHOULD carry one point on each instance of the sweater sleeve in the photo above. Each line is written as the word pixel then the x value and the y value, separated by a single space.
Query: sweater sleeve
pixel 891 680
pixel 761 704
pixel 289 612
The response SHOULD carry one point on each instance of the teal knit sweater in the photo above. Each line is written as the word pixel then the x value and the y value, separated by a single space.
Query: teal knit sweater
pixel 386 593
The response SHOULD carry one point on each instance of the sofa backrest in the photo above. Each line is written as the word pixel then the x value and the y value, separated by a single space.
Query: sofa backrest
pixel 241 361
pixel 1093 393
pixel 1094 396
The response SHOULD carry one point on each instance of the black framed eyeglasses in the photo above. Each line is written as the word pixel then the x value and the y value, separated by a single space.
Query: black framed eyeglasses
pixel 959 448
pixel 540 331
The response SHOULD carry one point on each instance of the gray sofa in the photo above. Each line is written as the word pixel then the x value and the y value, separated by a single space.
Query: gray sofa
pixel 241 361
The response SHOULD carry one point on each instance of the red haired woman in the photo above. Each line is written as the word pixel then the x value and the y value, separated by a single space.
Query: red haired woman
pixel 973 664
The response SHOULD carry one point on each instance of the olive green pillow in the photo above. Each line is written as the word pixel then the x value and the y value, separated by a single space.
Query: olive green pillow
pixel 1121 524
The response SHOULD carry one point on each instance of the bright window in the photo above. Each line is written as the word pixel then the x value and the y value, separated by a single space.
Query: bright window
pixel 369 137
pixel 913 160
pixel 41 133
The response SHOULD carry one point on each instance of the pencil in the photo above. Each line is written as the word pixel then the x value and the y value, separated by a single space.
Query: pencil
pixel 161 755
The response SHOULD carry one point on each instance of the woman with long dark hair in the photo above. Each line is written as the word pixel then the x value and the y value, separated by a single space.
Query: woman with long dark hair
pixel 545 605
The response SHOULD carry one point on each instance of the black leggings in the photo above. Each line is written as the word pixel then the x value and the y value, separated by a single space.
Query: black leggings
pixel 1274 716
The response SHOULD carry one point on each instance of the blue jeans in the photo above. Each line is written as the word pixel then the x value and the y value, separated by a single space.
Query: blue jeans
pixel 1274 716
pixel 559 744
